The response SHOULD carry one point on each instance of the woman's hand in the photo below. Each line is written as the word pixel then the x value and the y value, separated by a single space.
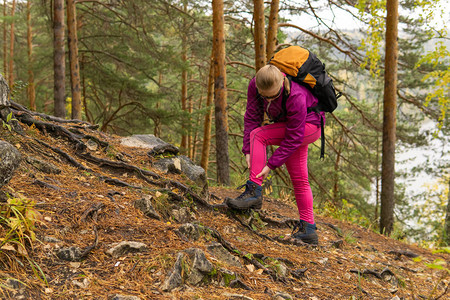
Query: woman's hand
pixel 265 171
pixel 247 159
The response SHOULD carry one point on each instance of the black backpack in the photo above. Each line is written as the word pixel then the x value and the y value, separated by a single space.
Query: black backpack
pixel 302 66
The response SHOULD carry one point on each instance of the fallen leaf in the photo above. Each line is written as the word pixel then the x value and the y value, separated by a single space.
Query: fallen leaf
pixel 250 267
pixel 75 265
pixel 259 271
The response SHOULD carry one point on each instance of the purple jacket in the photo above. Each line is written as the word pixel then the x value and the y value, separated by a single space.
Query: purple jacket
pixel 299 100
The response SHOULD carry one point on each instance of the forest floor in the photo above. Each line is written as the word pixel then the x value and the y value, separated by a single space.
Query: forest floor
pixel 88 204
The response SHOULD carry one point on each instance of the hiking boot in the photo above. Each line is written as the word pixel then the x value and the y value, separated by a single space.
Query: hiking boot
pixel 250 198
pixel 306 232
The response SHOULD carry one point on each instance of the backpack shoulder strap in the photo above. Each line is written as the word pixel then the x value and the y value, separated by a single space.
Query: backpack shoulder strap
pixel 286 94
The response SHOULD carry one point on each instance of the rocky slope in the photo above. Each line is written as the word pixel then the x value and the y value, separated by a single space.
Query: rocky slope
pixel 119 221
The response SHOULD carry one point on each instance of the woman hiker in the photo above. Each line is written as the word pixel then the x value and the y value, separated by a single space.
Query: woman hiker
pixel 292 131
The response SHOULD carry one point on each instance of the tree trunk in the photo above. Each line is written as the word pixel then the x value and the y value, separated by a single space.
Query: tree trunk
pixel 258 16
pixel 389 120
pixel 336 172
pixel 272 30
pixel 73 57
pixel 184 78
pixel 5 53
pixel 197 125
pixel 377 183
pixel 11 49
pixel 83 90
pixel 59 60
pixel 447 219
pixel 220 94
pixel 31 91
pixel 208 116
pixel 157 120
pixel 189 137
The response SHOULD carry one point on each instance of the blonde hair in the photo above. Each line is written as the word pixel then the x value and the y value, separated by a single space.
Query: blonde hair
pixel 268 76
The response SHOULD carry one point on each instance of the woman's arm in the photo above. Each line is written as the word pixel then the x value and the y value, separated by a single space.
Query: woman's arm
pixel 254 115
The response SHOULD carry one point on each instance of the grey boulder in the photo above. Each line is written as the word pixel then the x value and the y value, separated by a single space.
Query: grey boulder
pixel 9 161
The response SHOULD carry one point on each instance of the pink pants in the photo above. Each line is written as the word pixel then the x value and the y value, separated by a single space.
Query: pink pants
pixel 297 163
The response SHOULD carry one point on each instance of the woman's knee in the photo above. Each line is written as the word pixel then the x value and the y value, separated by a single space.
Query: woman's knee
pixel 257 134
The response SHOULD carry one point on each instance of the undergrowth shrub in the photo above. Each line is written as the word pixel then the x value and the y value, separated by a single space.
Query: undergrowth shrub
pixel 18 218
pixel 348 212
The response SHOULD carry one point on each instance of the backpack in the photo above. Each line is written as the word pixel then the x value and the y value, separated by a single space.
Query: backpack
pixel 302 66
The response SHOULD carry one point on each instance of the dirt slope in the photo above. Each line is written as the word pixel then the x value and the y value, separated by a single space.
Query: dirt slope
pixel 89 198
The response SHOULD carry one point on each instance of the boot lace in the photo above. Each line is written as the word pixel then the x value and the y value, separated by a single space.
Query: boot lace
pixel 299 226
pixel 248 190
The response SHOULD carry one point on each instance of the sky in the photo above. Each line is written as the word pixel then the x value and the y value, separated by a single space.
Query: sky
pixel 340 19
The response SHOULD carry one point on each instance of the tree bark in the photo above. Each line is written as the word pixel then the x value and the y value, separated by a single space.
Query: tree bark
pixel 378 179
pixel 208 117
pixel 389 120
pixel 336 172
pixel 5 53
pixel 11 49
pixel 157 120
pixel 447 219
pixel 272 30
pixel 184 78
pixel 189 137
pixel 83 90
pixel 184 138
pixel 59 60
pixel 73 57
pixel 197 125
pixel 258 16
pixel 31 90
pixel 220 94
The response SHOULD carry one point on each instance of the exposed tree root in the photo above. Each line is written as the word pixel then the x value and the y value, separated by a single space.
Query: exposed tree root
pixel 120 166
pixel 286 223
pixel 63 154
pixel 18 107
pixel 45 185
pixel 249 257
pixel 92 212
pixel 404 252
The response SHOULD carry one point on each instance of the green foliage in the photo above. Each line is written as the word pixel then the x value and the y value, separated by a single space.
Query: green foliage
pixel 438 78
pixel 17 88
pixel 347 212
pixel 427 217
pixel 227 278
pixel 439 265
pixel 18 216
pixel 6 124
pixel 17 226
pixel 349 238
pixel 372 42
pixel 275 265
pixel 161 202
pixel 256 222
